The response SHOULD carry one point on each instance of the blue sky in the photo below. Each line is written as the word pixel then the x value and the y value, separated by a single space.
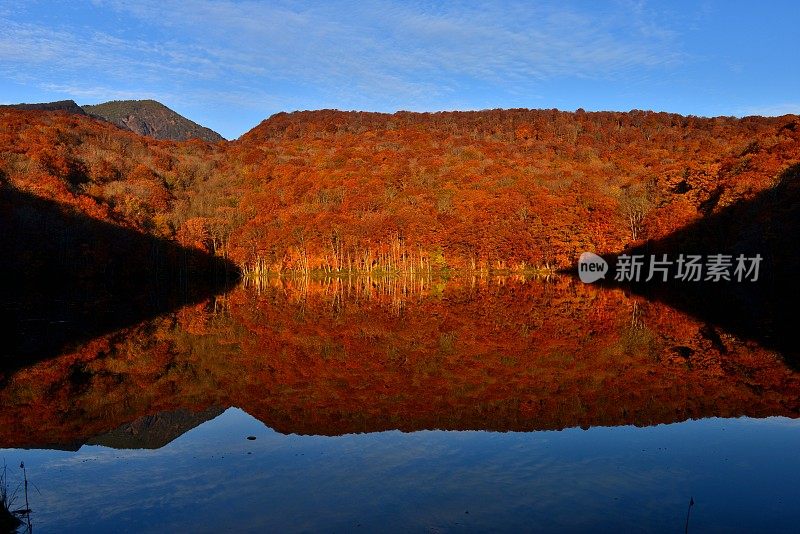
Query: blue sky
pixel 230 64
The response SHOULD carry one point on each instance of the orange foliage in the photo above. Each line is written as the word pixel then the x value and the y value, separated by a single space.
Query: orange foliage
pixel 496 190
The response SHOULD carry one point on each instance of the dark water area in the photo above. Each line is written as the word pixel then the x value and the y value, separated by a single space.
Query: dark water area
pixel 407 404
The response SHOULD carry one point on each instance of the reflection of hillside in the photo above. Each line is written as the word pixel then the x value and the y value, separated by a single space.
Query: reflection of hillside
pixel 155 431
pixel 461 355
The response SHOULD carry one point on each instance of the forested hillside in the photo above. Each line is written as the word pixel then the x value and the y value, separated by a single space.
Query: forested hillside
pixel 352 191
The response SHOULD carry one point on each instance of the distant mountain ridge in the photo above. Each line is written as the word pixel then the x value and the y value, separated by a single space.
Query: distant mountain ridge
pixel 144 117
pixel 62 105
pixel 153 119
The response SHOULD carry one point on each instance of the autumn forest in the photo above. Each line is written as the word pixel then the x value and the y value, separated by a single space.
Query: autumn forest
pixel 327 192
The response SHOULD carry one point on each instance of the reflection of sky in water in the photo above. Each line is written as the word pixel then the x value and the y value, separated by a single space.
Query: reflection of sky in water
pixel 741 473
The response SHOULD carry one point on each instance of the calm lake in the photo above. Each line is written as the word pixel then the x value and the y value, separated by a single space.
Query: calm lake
pixel 495 404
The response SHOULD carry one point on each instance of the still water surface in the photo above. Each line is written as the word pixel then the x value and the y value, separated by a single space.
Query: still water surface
pixel 468 405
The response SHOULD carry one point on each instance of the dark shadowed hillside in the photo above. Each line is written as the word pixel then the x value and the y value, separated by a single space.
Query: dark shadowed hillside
pixel 67 277
pixel 151 118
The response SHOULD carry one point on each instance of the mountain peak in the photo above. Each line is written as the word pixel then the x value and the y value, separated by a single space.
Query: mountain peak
pixel 151 118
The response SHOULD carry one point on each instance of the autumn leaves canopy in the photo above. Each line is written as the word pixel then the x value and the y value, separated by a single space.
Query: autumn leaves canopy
pixel 349 191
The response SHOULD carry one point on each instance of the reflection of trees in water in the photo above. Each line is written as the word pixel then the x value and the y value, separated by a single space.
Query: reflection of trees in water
pixel 390 289
pixel 335 355
pixel 394 290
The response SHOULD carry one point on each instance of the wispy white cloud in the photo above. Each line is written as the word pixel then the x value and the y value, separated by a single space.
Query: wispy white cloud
pixel 370 54
pixel 88 93
pixel 771 110
pixel 488 42
pixel 29 45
